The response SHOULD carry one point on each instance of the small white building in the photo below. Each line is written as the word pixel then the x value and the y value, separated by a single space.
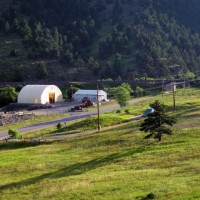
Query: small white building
pixel 40 94
pixel 91 94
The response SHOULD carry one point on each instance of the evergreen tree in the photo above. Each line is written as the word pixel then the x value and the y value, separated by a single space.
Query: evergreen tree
pixel 158 122
pixel 7 27
pixel 42 70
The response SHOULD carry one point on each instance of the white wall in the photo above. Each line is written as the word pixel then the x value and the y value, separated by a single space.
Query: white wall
pixel 79 97
pixel 39 94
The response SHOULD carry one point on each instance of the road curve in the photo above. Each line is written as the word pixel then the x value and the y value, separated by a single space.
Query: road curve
pixel 74 116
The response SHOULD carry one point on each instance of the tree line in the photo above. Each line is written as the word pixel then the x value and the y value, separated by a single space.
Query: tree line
pixel 95 35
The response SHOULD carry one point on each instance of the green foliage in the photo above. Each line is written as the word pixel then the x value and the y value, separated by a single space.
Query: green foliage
pixel 118 111
pixel 127 86
pixel 158 122
pixel 14 134
pixel 139 91
pixel 7 95
pixel 42 71
pixel 59 125
pixel 19 87
pixel 127 111
pixel 93 65
pixel 71 90
pixel 150 196
pixel 122 94
pixel 154 39
pixel 189 75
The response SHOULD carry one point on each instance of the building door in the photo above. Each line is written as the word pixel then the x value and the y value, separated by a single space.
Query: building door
pixel 52 97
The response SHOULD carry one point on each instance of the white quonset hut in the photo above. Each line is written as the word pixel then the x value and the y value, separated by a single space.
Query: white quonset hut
pixel 40 94
pixel 91 94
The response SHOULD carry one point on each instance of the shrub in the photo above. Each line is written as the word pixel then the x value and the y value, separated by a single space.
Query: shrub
pixel 18 88
pixel 14 133
pixel 59 125
pixel 139 91
pixel 127 112
pixel 118 111
pixel 7 95
pixel 150 196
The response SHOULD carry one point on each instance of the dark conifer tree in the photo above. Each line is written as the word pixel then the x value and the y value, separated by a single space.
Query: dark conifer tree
pixel 157 123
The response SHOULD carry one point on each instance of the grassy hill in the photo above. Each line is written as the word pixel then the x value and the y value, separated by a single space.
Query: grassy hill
pixel 116 163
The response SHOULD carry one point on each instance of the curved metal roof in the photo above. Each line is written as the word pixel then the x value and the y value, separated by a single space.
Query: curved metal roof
pixel 90 92
pixel 36 93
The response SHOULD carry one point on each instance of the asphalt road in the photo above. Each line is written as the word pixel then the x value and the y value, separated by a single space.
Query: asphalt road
pixel 73 116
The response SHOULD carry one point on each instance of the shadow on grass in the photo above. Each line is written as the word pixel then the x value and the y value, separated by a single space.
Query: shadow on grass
pixel 75 169
pixel 185 109
pixel 129 125
pixel 21 144
pixel 73 132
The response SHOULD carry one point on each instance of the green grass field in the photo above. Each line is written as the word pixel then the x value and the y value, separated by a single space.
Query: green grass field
pixel 116 163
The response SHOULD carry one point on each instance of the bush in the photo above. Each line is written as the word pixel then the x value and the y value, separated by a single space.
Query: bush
pixel 59 125
pixel 118 111
pixel 139 91
pixel 7 95
pixel 127 112
pixel 14 134
pixel 150 196
pixel 18 88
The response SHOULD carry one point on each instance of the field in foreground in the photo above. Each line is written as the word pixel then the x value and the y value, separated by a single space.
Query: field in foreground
pixel 114 164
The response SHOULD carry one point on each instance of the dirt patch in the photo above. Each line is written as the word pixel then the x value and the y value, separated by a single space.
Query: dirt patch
pixel 10 118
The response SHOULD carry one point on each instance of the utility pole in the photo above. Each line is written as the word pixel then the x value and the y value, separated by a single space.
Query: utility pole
pixel 184 80
pixel 72 93
pixel 99 127
pixel 174 100
pixel 162 89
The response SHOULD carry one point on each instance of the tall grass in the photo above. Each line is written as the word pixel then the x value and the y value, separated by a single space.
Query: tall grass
pixel 114 164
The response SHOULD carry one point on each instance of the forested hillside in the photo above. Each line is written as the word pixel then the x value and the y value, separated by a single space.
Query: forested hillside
pixel 81 40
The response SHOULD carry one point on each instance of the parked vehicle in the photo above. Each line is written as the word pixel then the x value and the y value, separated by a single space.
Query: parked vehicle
pixel 85 103
pixel 76 108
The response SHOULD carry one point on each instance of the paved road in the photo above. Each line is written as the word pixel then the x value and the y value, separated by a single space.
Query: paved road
pixel 73 116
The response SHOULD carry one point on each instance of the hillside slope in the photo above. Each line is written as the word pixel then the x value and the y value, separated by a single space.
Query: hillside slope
pixel 116 163
pixel 101 39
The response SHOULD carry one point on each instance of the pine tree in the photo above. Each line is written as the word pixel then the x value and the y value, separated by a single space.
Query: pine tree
pixel 7 27
pixel 158 122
